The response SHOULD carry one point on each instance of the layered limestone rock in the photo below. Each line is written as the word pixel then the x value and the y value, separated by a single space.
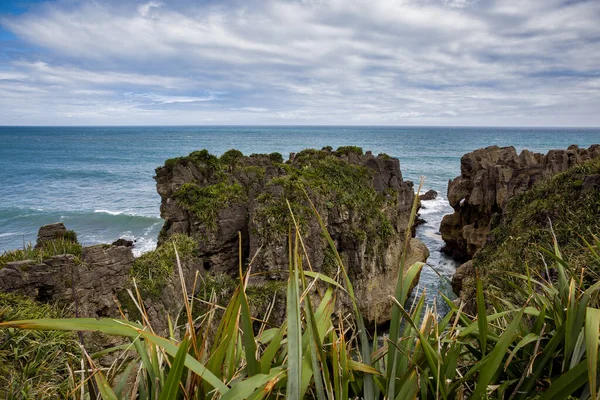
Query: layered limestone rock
pixel 560 206
pixel 489 178
pixel 363 200
pixel 92 281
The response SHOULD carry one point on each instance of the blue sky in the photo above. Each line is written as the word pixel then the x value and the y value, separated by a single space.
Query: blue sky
pixel 350 62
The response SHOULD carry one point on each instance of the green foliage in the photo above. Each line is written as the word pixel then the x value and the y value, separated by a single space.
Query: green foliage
pixel 335 183
pixel 51 248
pixel 207 201
pixel 152 269
pixel 559 206
pixel 207 162
pixel 276 158
pixel 345 150
pixel 231 157
pixel 33 364
pixel 547 349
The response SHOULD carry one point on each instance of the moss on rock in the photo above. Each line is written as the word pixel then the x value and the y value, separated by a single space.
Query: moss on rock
pixel 207 201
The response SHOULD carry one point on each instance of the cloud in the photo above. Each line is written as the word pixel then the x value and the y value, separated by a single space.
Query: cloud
pixel 448 62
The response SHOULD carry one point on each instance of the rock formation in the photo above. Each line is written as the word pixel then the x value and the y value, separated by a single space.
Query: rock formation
pixel 55 231
pixel 560 206
pixel 362 199
pixel 489 178
pixel 428 195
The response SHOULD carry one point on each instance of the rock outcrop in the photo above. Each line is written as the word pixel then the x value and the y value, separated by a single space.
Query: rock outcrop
pixel 362 199
pixel 93 281
pixel 561 207
pixel 55 231
pixel 428 195
pixel 489 178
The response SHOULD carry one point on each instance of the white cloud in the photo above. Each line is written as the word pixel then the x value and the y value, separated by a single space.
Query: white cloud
pixel 379 61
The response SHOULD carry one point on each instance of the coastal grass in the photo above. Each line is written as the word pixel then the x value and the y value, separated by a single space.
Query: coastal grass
pixel 152 269
pixel 51 248
pixel 546 348
pixel 34 364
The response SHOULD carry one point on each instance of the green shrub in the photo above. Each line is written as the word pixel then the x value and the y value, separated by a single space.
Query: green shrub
pixel 345 150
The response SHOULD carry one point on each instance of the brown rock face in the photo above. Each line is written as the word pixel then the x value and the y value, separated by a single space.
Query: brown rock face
pixel 93 282
pixel 50 232
pixel 363 200
pixel 489 178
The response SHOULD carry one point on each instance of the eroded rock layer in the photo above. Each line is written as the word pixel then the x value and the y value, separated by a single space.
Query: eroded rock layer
pixel 489 178
pixel 362 199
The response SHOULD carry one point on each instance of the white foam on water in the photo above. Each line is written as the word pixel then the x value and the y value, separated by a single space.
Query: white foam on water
pixel 8 234
pixel 437 205
pixel 147 242
pixel 109 212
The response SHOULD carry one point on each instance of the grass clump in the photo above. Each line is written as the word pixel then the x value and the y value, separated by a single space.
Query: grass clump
pixel 34 364
pixel 207 201
pixel 51 248
pixel 152 269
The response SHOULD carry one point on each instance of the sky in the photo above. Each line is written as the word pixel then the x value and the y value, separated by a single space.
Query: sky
pixel 292 62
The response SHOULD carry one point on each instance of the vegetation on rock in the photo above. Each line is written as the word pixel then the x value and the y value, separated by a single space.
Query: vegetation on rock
pixel 206 202
pixel 565 208
pixel 51 248
pixel 152 269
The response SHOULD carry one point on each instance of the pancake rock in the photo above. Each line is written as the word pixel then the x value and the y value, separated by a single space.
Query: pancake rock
pixel 363 200
pixel 489 178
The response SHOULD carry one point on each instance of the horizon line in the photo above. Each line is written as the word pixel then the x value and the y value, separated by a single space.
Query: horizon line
pixel 300 126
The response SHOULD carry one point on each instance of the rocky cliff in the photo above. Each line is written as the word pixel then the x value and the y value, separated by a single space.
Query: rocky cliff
pixel 564 207
pixel 362 199
pixel 489 178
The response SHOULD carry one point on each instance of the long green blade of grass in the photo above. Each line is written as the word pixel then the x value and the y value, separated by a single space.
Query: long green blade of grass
pixel 171 388
pixel 592 326
pixel 392 362
pixel 481 317
pixel 294 337
pixel 567 383
pixel 489 367
pixel 248 387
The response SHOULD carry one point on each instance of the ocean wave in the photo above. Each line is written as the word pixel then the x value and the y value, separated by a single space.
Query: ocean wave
pixel 435 206
pixel 109 212
pixel 8 234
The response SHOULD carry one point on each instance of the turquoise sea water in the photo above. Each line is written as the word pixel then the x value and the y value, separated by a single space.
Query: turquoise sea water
pixel 98 180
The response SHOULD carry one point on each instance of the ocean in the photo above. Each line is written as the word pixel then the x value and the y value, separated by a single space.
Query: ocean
pixel 98 180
